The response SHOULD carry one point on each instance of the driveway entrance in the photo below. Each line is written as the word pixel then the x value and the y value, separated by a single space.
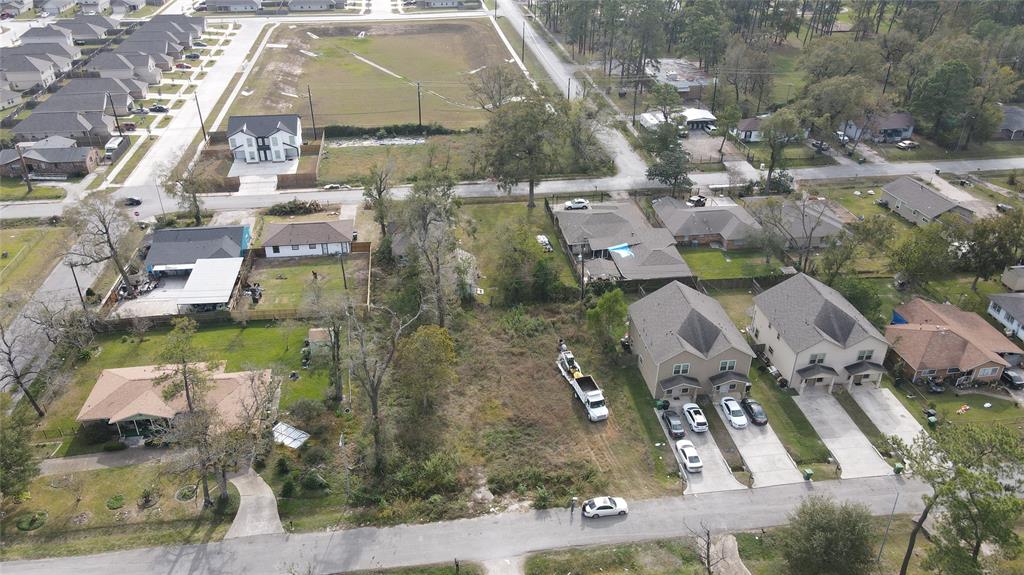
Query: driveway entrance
pixel 716 475
pixel 886 412
pixel 763 452
pixel 852 450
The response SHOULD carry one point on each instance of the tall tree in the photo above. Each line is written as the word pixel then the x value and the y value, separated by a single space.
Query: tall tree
pixel 377 190
pixel 778 131
pixel 665 99
pixel 425 366
pixel 922 256
pixel 671 169
pixel 18 464
pixel 18 365
pixel 431 214
pixel 841 56
pixel 101 227
pixel 608 317
pixel 495 86
pixel 796 223
pixel 989 246
pixel 187 187
pixel 943 97
pixel 827 537
pixel 521 139
pixel 330 310
pixel 727 120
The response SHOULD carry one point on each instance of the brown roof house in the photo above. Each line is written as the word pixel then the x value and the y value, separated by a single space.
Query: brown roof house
pixel 943 341
pixel 686 345
pixel 300 239
pixel 131 398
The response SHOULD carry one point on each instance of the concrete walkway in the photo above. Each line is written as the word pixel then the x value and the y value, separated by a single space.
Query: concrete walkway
pixel 727 550
pixel 487 538
pixel 103 460
pixel 257 510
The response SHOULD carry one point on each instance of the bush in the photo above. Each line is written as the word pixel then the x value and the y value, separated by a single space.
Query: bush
pixel 115 502
pixel 114 446
pixel 288 488
pixel 295 207
pixel 315 455
pixel 186 493
pixel 312 481
pixel 32 521
pixel 306 412
pixel 281 466
pixel 387 131
pixel 517 323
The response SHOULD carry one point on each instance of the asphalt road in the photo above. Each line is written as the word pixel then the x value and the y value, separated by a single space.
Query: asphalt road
pixel 485 538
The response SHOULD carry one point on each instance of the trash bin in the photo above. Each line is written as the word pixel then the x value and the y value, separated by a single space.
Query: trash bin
pixel 808 473
pixel 661 404
pixel 860 160
pixel 898 469
pixel 932 421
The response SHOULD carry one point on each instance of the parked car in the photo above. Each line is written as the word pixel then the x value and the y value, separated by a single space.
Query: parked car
pixel 132 201
pixel 820 146
pixel 128 127
pixel 604 507
pixel 192 56
pixel 1004 208
pixel 89 13
pixel 44 14
pixel 332 186
pixel 545 243
pixel 842 137
pixel 733 412
pixel 158 108
pixel 577 204
pixel 688 453
pixel 199 44
pixel 673 423
pixel 695 417
pixel 141 111
pixel 907 145
pixel 1013 378
pixel 754 411
pixel 711 130
pixel 182 66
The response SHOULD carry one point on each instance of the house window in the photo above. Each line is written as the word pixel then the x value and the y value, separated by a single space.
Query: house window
pixel 732 386
pixel 987 371
pixel 295 248
pixel 953 371
pixel 996 308
pixel 757 332
pixel 681 369
pixel 276 249
pixel 273 140
pixel 865 355
pixel 926 372
pixel 771 350
pixel 817 358
pixel 291 140
pixel 252 155
pixel 312 246
pixel 231 142
pixel 727 365
pixel 277 154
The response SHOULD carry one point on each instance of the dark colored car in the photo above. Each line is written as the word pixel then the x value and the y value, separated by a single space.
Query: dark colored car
pixel 158 108
pixel 1013 378
pixel 199 44
pixel 754 411
pixel 674 423
pixel 132 201
pixel 192 56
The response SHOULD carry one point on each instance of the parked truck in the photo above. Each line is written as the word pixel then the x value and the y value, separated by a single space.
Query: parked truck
pixel 583 386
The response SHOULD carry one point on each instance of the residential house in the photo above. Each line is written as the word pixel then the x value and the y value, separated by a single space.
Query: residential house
pixel 686 345
pixel 51 33
pixel 918 203
pixel 314 5
pixel 438 3
pixel 805 223
pixel 299 239
pixel 1013 278
pixel 255 139
pixel 54 7
pixel 726 225
pixel 617 243
pixel 15 7
pixel 60 63
pixel 889 128
pixel 150 47
pixel 180 29
pixel 123 7
pixel 941 341
pixel 233 5
pixel 140 67
pixel 64 52
pixel 101 20
pixel 135 88
pixel 1008 309
pixel 698 119
pixel 84 31
pixel 54 156
pixel 132 399
pixel 97 6
pixel 813 336
pixel 174 251
pixel 198 23
pixel 116 103
pixel 175 36
pixel 9 98
pixel 1012 126
pixel 748 129
pixel 90 129
pixel 24 72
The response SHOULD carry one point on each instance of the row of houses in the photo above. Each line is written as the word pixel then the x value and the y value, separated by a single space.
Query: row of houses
pixel 47 52
pixel 271 5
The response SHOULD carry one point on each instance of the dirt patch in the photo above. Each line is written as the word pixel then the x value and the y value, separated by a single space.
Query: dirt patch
pixel 81 518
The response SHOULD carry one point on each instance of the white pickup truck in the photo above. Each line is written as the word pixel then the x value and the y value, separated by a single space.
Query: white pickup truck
pixel 583 386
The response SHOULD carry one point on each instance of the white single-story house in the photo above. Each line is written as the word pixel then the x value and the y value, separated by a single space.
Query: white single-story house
pixel 1008 309
pixel 299 239
pixel 256 139
pixel 892 127
pixel 749 129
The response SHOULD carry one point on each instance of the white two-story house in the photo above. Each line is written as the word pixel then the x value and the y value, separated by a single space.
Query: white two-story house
pixel 255 139
pixel 813 336
pixel 1008 309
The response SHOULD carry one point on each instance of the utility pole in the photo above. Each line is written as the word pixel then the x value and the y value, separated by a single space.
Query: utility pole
pixel 341 258
pixel 714 94
pixel 419 105
pixel 113 109
pixel 24 169
pixel 636 94
pixel 200 110
pixel 583 281
pixel 568 89
pixel 522 53
pixel 887 525
pixel 78 287
pixel 312 116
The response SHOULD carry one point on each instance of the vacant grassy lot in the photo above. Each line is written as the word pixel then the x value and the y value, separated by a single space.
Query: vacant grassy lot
pixel 737 303
pixel 916 399
pixel 709 263
pixel 1000 179
pixel 349 164
pixel 796 156
pixel 15 190
pixel 1003 178
pixel 841 191
pixel 261 344
pixel 930 151
pixel 287 281
pixel 674 556
pixel 88 525
pixel 956 289
pixel 372 81
pixel 31 254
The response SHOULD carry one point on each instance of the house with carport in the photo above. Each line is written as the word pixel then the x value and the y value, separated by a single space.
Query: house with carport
pixel 686 345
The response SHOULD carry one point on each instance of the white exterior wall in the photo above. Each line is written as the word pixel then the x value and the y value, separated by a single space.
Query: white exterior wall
pixel 781 356
pixel 25 80
pixel 305 250
pixel 1008 321
pixel 281 147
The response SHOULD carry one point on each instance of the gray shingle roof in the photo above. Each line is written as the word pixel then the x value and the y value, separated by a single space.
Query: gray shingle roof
pixel 298 233
pixel 94 102
pixel 50 31
pixel 84 30
pixel 893 121
pixel 54 142
pixel 1011 302
pixel 816 370
pixel 678 318
pixel 724 376
pixel 920 197
pixel 55 48
pixel 62 122
pixel 1013 118
pixel 806 312
pixel 749 125
pixel 863 367
pixel 258 126
pixel 99 86
pixel 731 222
pixel 22 63
pixel 179 246
pixel 651 259
pixel 58 155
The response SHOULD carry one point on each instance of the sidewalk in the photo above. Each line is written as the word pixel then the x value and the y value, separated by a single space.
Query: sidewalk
pixel 103 460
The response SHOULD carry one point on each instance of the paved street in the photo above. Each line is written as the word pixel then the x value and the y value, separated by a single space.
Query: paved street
pixel 848 445
pixel 488 538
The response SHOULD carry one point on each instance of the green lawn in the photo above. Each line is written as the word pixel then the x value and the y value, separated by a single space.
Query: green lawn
pixel 789 422
pixel 710 263
pixel 915 399
pixel 31 254
pixel 88 526
pixel 675 556
pixel 348 165
pixel 796 156
pixel 788 80
pixel 931 151
pixel 286 281
pixel 15 190
pixel 1002 178
pixel 736 303
pixel 956 289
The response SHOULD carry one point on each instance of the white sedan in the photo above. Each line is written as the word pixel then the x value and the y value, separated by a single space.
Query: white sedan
pixel 577 204
pixel 605 506
pixel 733 412
pixel 688 454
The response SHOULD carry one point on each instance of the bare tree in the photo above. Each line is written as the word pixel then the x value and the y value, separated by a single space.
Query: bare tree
pixel 17 365
pixel 375 351
pixel 186 186
pixel 494 86
pixel 330 312
pixel 139 327
pixel 377 190
pixel 704 544
pixel 430 215
pixel 101 227
pixel 796 222
pixel 69 329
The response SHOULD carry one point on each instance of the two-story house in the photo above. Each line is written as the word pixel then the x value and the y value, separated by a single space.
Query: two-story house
pixel 1008 309
pixel 813 336
pixel 255 139
pixel 686 345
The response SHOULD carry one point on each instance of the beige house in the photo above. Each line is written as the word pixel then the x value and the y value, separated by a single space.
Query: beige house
pixel 1013 278
pixel 686 345
pixel 813 336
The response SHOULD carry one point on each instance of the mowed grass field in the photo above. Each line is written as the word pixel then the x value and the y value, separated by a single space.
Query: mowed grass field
pixel 371 81
pixel 31 254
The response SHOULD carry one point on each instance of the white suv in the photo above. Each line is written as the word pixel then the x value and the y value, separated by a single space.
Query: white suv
pixel 695 418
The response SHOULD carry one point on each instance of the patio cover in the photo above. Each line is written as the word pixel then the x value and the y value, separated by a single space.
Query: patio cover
pixel 211 281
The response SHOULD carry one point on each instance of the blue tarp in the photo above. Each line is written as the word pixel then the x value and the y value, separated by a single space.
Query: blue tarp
pixel 622 250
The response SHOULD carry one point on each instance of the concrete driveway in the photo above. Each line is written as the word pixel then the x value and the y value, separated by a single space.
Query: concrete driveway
pixel 716 475
pixel 763 452
pixel 854 452
pixel 886 412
